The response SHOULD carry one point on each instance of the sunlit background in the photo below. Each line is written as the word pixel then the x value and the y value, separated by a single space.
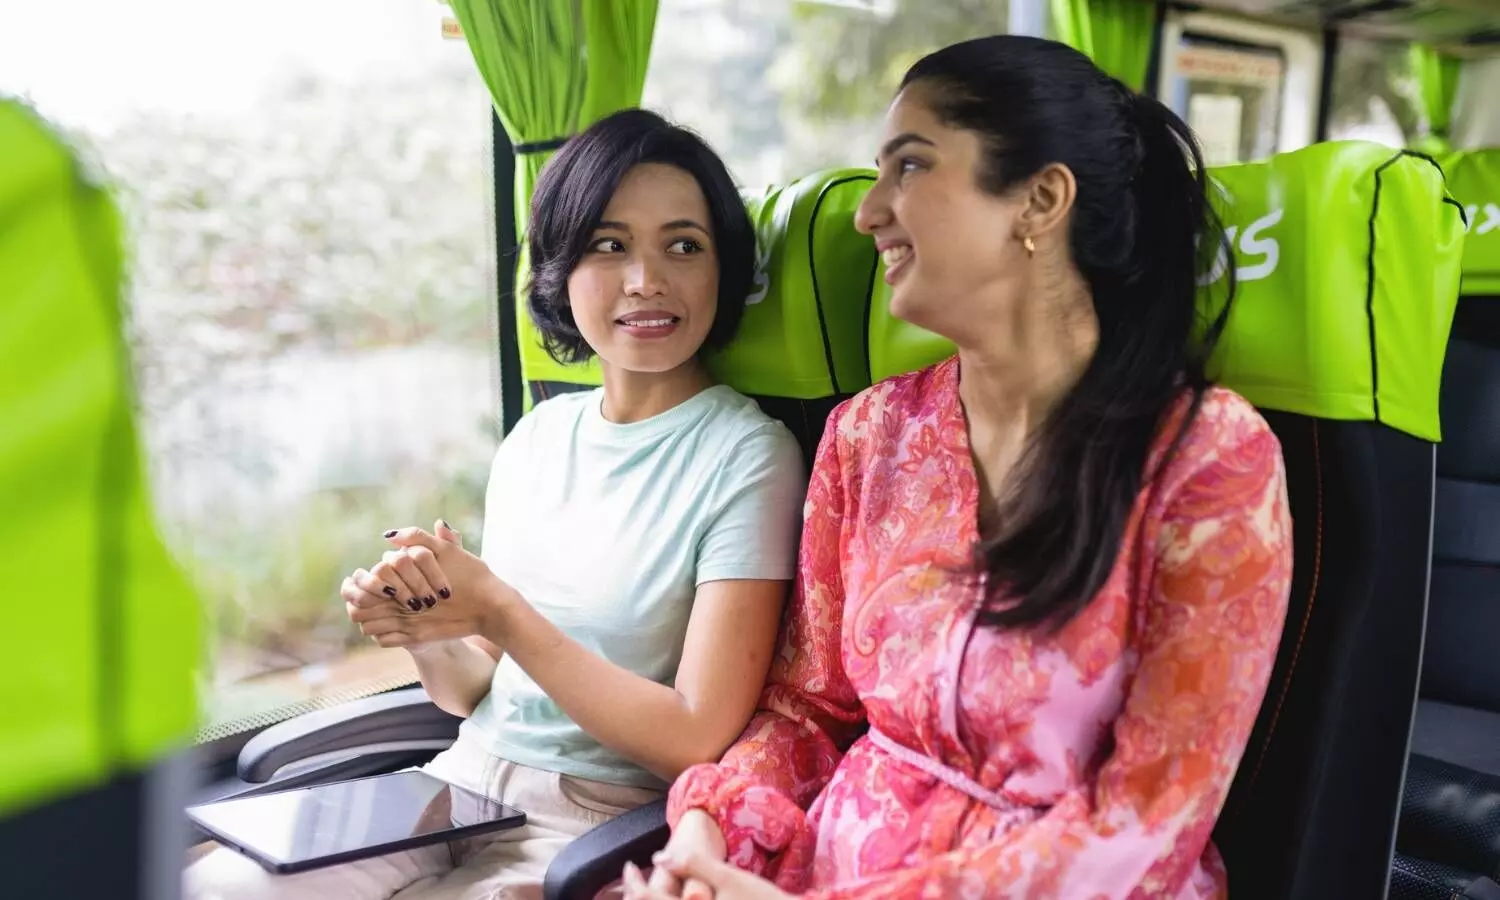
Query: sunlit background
pixel 308 184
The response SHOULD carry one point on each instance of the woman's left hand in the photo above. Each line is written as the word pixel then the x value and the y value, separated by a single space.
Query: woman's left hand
pixel 476 595
pixel 727 881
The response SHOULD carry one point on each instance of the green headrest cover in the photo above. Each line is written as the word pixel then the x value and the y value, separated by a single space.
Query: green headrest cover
pixel 1474 181
pixel 803 333
pixel 1347 255
pixel 812 289
pixel 100 670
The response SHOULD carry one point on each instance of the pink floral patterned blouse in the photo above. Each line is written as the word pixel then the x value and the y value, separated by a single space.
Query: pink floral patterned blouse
pixel 1111 745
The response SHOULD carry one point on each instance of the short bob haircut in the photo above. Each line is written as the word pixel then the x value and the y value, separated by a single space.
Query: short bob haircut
pixel 575 187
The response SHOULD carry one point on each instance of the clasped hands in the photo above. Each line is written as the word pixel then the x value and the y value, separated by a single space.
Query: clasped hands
pixel 430 589
pixel 427 589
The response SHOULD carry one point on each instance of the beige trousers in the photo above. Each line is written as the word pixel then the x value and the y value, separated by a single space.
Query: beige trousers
pixel 506 865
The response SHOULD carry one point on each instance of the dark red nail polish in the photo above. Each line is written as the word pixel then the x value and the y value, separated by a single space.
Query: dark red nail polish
pixel 415 604
pixel 430 602
pixel 444 593
pixel 390 591
pixel 391 533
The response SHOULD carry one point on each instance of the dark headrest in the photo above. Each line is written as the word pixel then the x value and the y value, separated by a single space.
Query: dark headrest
pixel 1471 412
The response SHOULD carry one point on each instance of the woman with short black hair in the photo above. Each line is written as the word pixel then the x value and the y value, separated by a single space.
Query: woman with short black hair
pixel 638 538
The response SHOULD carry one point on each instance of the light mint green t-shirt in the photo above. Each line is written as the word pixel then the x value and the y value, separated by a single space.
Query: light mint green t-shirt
pixel 608 530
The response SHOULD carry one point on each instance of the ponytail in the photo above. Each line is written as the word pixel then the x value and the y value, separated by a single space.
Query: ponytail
pixel 1142 232
pixel 1177 215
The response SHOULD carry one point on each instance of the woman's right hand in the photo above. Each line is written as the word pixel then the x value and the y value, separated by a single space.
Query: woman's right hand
pixel 696 833
pixel 404 582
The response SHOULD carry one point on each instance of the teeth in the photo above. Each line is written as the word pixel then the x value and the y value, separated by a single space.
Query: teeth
pixel 650 323
pixel 895 255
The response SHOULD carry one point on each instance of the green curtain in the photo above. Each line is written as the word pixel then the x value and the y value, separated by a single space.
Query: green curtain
pixel 531 56
pixel 100 668
pixel 553 68
pixel 618 38
pixel 1437 84
pixel 1116 34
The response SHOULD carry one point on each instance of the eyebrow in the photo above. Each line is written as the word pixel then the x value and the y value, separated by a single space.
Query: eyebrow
pixel 899 141
pixel 673 225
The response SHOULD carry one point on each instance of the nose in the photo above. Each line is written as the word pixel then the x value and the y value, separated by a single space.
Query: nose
pixel 645 276
pixel 874 210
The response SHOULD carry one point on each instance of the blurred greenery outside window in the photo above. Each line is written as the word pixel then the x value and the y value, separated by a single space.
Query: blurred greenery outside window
pixel 312 300
pixel 1374 93
pixel 783 88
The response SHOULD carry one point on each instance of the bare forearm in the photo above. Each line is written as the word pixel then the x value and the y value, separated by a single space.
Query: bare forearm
pixel 651 724
pixel 456 674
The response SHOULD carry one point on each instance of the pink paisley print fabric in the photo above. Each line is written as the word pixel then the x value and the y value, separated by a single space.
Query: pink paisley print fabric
pixel 1113 742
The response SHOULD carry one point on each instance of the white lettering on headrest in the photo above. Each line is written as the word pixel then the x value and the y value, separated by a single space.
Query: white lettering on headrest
pixel 1251 245
pixel 1491 218
pixel 760 285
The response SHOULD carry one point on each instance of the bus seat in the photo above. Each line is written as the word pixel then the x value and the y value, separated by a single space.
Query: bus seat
pixel 99 699
pixel 1449 837
pixel 800 348
pixel 1348 256
pixel 1474 180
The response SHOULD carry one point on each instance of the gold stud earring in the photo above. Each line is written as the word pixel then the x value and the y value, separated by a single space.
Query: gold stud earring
pixel 1029 244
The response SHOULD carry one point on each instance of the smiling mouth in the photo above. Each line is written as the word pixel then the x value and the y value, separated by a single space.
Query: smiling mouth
pixel 652 325
pixel 656 322
pixel 895 259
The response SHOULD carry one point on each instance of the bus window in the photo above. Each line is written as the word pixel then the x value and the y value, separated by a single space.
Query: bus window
pixel 1248 90
pixel 312 296
pixel 1232 94
pixel 785 87
pixel 1374 97
pixel 1475 123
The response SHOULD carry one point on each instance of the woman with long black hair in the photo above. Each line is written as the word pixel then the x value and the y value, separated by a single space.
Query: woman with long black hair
pixel 1041 584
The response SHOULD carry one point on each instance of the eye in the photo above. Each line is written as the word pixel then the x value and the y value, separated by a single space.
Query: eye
pixel 908 164
pixel 607 245
pixel 685 246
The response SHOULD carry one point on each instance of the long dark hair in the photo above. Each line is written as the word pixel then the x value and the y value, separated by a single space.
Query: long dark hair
pixel 1142 232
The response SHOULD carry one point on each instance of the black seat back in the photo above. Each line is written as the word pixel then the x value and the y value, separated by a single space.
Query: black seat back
pixel 1449 836
pixel 1341 344
pixel 1313 808
pixel 1462 662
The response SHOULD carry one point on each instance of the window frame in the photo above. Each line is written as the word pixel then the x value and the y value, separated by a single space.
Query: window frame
pixel 1302 50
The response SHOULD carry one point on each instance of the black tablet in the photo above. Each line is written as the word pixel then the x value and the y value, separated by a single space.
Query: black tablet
pixel 327 824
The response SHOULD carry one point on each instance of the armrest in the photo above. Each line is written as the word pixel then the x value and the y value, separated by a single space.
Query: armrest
pixel 592 861
pixel 1415 879
pixel 404 719
pixel 1450 814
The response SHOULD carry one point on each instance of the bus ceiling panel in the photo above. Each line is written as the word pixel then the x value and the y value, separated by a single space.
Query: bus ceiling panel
pixel 1467 28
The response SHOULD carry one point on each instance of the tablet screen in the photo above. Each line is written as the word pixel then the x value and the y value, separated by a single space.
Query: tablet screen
pixel 352 819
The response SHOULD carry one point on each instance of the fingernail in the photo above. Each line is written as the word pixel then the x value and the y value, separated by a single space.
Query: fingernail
pixel 415 604
pixel 391 533
pixel 429 602
pixel 444 593
pixel 389 591
pixel 444 523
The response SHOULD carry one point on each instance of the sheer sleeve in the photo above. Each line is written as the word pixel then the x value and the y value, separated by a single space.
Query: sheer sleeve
pixel 809 712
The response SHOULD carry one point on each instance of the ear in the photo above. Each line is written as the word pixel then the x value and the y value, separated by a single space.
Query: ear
pixel 1049 198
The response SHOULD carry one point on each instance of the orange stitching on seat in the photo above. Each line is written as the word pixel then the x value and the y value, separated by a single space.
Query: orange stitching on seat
pixel 1312 598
